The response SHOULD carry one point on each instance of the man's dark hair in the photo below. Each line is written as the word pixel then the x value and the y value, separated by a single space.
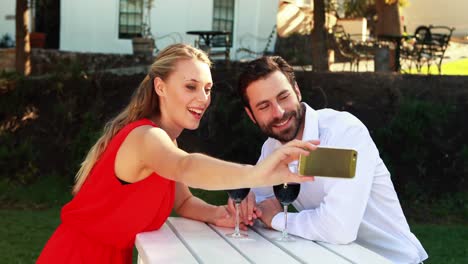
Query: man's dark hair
pixel 261 68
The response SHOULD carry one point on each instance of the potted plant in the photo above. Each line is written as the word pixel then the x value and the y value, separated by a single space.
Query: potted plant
pixel 6 41
pixel 37 39
pixel 145 45
pixel 7 53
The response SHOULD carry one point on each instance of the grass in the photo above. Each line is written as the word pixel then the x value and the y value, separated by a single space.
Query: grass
pixel 446 244
pixel 458 67
pixel 25 232
pixel 28 230
pixel 47 192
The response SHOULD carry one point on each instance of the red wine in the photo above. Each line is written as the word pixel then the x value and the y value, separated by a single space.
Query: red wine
pixel 286 194
pixel 238 194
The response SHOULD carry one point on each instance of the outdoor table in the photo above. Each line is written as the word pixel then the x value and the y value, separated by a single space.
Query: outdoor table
pixel 208 35
pixel 182 240
pixel 397 40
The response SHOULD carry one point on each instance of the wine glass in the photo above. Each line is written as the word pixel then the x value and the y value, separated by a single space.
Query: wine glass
pixel 238 195
pixel 286 193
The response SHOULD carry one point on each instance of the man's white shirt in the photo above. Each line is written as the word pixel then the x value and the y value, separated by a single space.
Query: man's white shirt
pixel 364 209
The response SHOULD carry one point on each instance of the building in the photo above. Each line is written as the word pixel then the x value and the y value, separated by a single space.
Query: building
pixel 108 26
pixel 7 18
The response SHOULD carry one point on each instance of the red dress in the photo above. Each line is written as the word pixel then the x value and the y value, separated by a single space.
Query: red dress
pixel 100 223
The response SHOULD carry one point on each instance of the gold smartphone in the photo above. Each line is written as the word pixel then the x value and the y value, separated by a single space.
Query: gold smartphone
pixel 329 162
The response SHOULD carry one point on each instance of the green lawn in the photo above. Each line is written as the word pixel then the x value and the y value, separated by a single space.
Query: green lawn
pixel 24 233
pixel 446 244
pixel 458 67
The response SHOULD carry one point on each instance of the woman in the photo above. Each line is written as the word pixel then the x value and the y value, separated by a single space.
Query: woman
pixel 127 183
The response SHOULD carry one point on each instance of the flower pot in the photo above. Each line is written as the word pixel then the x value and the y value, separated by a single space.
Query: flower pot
pixel 37 39
pixel 143 46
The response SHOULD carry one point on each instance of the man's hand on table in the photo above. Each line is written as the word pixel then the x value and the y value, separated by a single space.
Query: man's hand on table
pixel 269 207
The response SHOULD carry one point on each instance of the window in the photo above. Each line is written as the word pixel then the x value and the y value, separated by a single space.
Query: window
pixel 223 19
pixel 130 18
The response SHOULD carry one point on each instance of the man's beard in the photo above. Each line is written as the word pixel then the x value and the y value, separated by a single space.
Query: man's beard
pixel 291 132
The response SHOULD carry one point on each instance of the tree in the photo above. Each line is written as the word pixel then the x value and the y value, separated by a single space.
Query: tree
pixel 388 17
pixel 319 38
pixel 23 48
pixel 387 11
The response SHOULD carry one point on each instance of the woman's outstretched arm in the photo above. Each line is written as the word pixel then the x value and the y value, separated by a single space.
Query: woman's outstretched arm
pixel 160 154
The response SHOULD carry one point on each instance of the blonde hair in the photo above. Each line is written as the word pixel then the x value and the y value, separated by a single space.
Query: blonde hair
pixel 144 103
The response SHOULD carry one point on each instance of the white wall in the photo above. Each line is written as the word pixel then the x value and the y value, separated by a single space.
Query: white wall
pixel 92 26
pixel 253 25
pixel 356 27
pixel 171 19
pixel 7 26
pixel 451 13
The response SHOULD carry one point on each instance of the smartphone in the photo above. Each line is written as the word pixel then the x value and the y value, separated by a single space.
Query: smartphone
pixel 329 162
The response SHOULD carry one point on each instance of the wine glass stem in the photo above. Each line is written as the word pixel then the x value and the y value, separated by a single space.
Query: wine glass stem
pixel 285 230
pixel 236 229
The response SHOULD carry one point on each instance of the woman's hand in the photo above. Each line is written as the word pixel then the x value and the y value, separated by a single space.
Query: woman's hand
pixel 275 168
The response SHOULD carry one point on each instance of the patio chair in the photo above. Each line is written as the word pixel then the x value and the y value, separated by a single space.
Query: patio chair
pixel 170 38
pixel 435 51
pixel 220 46
pixel 428 46
pixel 354 50
pixel 411 48
pixel 247 53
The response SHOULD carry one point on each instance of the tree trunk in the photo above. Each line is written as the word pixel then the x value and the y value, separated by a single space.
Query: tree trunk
pixel 388 22
pixel 319 38
pixel 23 48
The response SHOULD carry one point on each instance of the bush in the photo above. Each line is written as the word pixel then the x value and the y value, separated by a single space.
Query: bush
pixel 425 148
pixel 6 41
pixel 48 125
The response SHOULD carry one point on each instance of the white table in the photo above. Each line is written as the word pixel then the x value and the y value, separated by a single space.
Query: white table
pixel 182 240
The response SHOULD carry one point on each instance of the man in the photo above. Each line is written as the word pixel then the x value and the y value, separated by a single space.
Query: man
pixel 364 209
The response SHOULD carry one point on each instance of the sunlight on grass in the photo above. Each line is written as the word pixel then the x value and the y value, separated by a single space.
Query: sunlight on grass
pixel 459 67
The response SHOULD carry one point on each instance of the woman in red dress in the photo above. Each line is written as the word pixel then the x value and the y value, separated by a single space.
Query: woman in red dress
pixel 135 173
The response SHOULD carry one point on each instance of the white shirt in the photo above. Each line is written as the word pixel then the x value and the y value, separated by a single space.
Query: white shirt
pixel 364 209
